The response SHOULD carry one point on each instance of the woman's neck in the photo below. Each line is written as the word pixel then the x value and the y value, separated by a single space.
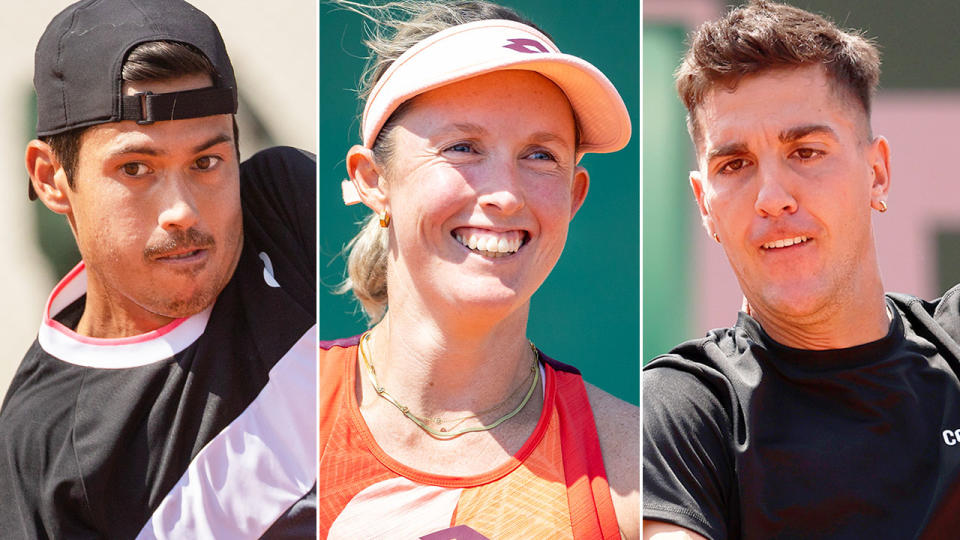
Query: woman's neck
pixel 440 371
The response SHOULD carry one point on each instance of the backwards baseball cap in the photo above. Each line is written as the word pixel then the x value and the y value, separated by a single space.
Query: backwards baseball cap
pixel 79 58
pixel 472 49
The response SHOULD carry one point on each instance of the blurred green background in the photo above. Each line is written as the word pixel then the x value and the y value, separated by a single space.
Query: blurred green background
pixel 587 312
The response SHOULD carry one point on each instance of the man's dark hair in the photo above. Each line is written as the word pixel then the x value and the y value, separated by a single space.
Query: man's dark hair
pixel 765 35
pixel 150 61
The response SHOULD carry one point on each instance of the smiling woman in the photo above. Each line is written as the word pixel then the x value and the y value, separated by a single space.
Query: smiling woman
pixel 443 418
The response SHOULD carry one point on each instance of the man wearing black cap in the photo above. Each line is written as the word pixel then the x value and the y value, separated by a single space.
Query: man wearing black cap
pixel 171 389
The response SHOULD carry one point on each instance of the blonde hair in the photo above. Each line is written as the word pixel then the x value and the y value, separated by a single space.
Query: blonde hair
pixel 393 28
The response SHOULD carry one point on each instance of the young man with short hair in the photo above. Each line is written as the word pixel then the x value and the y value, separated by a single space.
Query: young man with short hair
pixel 820 414
pixel 171 389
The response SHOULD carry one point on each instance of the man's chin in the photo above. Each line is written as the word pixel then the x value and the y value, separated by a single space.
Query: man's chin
pixel 179 308
pixel 795 301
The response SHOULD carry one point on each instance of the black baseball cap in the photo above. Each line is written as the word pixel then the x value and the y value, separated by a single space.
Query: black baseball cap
pixel 79 59
pixel 80 56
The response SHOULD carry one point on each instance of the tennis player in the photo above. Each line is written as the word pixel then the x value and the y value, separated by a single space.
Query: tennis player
pixel 830 409
pixel 443 420
pixel 170 391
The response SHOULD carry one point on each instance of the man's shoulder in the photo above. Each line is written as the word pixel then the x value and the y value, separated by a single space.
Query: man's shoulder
pixel 40 378
pixel 279 163
pixel 279 155
pixel 938 316
pixel 278 174
pixel 703 377
pixel 712 352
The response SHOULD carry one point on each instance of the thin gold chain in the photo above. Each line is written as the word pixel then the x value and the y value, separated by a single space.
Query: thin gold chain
pixel 457 421
pixel 424 423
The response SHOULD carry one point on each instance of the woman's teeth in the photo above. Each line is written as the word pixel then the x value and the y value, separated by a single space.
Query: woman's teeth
pixel 492 244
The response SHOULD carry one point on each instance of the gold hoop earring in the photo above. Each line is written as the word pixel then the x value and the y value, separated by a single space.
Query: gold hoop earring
pixel 883 206
pixel 716 237
pixel 384 219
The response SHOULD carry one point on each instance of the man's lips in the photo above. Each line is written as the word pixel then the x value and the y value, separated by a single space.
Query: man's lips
pixel 183 255
pixel 785 242
pixel 180 246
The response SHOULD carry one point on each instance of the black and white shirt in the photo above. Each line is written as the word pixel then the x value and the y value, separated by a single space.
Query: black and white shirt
pixel 204 428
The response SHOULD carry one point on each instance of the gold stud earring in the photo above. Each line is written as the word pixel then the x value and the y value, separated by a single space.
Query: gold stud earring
pixel 384 219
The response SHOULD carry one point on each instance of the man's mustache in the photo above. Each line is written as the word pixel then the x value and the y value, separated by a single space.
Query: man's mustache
pixel 179 240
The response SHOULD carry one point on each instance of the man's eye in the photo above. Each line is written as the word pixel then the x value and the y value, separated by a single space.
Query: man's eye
pixel 134 169
pixel 732 166
pixel 207 162
pixel 807 153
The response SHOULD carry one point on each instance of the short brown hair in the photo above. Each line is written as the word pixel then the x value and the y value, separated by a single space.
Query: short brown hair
pixel 765 35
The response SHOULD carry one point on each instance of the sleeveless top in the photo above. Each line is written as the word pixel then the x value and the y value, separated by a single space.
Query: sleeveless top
pixel 553 487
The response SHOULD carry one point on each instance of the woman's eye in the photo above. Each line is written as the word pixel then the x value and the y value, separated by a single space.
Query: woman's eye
pixel 460 147
pixel 542 154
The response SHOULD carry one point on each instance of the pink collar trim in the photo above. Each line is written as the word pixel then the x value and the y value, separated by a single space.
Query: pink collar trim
pixel 111 353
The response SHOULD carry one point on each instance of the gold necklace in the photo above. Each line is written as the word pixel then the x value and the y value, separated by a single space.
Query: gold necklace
pixel 424 423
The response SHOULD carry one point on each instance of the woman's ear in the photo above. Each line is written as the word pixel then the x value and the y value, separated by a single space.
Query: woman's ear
pixel 580 187
pixel 367 178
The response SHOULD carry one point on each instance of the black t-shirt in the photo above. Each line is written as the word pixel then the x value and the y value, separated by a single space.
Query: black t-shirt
pixel 746 438
pixel 203 428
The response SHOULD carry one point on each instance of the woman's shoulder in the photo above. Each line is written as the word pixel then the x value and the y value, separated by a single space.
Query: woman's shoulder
pixel 618 428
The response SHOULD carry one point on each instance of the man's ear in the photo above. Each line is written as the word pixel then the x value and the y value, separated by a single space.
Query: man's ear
pixel 696 184
pixel 880 163
pixel 579 189
pixel 48 177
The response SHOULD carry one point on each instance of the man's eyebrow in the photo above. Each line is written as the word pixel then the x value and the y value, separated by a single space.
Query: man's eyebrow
pixel 149 150
pixel 729 149
pixel 213 141
pixel 790 135
pixel 135 148
pixel 799 132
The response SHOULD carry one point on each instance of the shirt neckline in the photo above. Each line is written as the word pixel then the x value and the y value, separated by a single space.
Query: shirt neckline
pixel 416 475
pixel 111 353
pixel 820 360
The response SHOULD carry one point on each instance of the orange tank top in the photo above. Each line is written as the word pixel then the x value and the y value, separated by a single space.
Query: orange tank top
pixel 553 487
